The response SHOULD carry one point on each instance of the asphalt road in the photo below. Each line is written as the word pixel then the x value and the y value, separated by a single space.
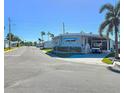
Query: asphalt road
pixel 28 70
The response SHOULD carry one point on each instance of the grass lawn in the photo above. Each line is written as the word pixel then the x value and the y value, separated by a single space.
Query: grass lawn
pixel 47 50
pixel 107 60
pixel 6 49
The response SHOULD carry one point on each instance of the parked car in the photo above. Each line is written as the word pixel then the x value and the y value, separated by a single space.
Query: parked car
pixel 96 50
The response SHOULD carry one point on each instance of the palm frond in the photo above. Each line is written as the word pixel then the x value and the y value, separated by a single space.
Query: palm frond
pixel 117 8
pixel 48 33
pixel 107 7
pixel 110 27
pixel 42 33
pixel 102 26
pixel 109 15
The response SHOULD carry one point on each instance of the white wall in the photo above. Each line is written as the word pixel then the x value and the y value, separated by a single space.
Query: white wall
pixel 48 44
pixel 6 43
pixel 72 43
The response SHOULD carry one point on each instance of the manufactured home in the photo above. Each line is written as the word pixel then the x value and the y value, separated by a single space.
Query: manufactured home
pixel 81 42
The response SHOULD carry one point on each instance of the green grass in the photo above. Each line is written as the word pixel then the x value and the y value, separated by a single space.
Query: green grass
pixel 6 49
pixel 107 60
pixel 48 50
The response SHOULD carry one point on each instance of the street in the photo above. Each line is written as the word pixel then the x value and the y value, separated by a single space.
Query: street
pixel 29 70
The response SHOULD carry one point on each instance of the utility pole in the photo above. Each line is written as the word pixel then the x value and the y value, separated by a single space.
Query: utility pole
pixel 9 32
pixel 63 28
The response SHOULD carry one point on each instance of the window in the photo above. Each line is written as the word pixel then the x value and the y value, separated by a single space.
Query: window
pixel 70 40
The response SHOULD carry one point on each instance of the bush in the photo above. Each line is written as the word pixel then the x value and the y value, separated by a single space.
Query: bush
pixel 110 55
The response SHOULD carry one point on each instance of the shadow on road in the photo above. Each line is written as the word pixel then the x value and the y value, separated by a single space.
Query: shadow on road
pixel 113 69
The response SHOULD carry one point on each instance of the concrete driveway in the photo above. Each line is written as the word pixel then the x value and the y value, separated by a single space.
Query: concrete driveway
pixel 86 58
pixel 28 70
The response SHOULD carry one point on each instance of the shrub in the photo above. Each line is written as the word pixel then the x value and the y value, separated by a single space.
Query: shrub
pixel 110 55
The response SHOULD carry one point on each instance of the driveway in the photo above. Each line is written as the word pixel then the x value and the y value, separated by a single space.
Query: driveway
pixel 28 70
pixel 86 58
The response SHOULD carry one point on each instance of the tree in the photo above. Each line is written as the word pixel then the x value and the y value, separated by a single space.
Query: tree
pixel 48 35
pixel 10 34
pixel 42 34
pixel 52 36
pixel 22 43
pixel 39 40
pixel 35 43
pixel 13 38
pixel 111 22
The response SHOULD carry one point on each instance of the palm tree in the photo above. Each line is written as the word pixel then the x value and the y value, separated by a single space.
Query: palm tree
pixel 42 34
pixel 48 35
pixel 16 38
pixel 111 22
pixel 52 36
pixel 10 36
pixel 39 40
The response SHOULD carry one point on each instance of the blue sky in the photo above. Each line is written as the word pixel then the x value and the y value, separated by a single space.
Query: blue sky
pixel 30 17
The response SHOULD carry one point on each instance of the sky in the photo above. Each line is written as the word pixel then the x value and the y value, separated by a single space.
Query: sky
pixel 30 17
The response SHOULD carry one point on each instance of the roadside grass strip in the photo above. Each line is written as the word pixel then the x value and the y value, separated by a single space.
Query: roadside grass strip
pixel 9 50
pixel 47 50
pixel 107 60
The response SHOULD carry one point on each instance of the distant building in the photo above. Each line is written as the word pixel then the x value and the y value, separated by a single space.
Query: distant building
pixel 6 43
pixel 48 44
pixel 13 43
pixel 81 42
pixel 39 44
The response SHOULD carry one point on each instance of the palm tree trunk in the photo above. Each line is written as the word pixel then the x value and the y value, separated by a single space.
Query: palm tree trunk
pixel 42 41
pixel 116 41
pixel 107 41
pixel 48 37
